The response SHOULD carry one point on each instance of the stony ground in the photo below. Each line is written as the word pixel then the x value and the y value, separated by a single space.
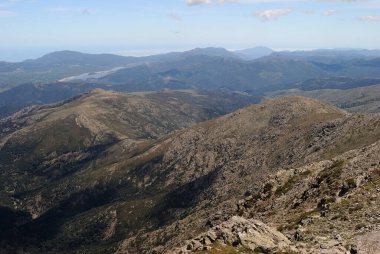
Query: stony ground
pixel 304 168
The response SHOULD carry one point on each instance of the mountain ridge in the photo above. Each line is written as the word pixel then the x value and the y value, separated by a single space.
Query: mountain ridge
pixel 71 63
pixel 61 77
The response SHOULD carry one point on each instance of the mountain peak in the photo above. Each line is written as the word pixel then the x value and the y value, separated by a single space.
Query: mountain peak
pixel 61 54
pixel 69 57
pixel 211 51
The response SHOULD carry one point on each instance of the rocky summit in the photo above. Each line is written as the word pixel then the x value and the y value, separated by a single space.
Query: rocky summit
pixel 166 173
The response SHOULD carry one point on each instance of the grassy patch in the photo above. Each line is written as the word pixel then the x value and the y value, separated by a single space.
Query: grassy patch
pixel 360 226
pixel 291 182
pixel 293 223
pixel 218 248
pixel 332 173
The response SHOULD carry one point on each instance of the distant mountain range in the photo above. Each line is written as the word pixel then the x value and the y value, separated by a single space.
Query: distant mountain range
pixel 342 53
pixel 61 64
pixel 61 75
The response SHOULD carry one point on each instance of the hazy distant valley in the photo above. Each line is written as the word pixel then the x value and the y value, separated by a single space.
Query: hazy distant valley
pixel 62 75
pixel 204 151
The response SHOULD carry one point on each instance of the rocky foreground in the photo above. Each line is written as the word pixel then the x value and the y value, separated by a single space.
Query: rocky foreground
pixel 241 233
pixel 324 207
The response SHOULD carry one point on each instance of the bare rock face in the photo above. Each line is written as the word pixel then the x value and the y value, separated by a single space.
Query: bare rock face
pixel 329 206
pixel 369 243
pixel 239 232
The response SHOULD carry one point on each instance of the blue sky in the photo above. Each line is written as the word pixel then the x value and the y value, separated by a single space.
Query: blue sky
pixel 30 28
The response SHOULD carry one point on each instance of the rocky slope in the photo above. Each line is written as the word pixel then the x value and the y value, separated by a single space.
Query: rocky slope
pixel 58 161
pixel 148 190
pixel 217 161
pixel 329 206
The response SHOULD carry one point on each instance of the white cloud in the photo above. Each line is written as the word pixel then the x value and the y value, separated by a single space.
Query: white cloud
pixel 4 13
pixel 271 14
pixel 352 1
pixel 8 3
pixel 210 2
pixel 329 12
pixel 372 18
pixel 199 2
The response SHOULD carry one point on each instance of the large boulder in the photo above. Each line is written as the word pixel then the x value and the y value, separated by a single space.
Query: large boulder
pixel 239 232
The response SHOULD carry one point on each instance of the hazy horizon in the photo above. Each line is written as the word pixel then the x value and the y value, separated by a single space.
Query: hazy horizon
pixel 18 54
pixel 31 28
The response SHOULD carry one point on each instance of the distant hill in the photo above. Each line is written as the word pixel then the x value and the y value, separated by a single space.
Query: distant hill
pixel 62 64
pixel 341 83
pixel 264 74
pixel 60 75
pixel 77 58
pixel 328 55
pixel 57 65
pixel 173 56
pixel 197 69
pixel 253 53
pixel 221 52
